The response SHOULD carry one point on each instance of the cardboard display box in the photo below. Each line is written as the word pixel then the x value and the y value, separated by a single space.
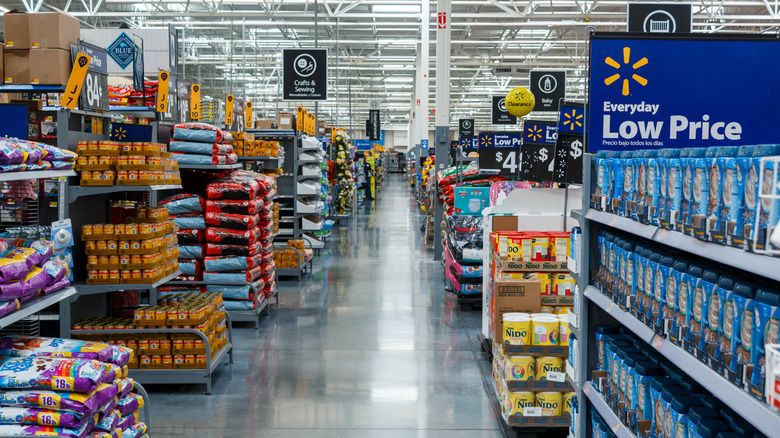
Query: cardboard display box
pixel 37 66
pixel 49 30
pixel 265 124
pixel 284 120
pixel 511 296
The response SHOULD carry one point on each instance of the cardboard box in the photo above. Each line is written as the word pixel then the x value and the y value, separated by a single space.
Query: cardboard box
pixel 16 26
pixel 48 30
pixel 510 296
pixel 264 124
pixel 284 121
pixel 37 66
pixel 504 223
pixel 53 30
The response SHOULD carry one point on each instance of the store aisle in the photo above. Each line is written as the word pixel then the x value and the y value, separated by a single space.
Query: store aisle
pixel 369 346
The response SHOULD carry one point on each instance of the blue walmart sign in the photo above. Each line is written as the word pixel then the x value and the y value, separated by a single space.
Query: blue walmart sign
pixel 572 119
pixel 539 132
pixel 122 50
pixel 659 92
pixel 500 140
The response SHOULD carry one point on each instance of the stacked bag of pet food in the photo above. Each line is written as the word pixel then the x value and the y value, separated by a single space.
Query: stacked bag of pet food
pixel 201 144
pixel 21 155
pixel 239 238
pixel 65 387
pixel 28 270
pixel 187 211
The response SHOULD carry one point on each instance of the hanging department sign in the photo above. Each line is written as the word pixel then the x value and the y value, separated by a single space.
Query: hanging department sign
pixel 548 88
pixel 660 17
pixel 570 145
pixel 500 115
pixel 538 150
pixel 305 74
pixel 500 151
pixel 466 128
pixel 651 91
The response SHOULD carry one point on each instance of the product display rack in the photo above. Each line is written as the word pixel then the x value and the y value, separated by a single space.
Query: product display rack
pixel 36 305
pixel 210 166
pixel 751 409
pixel 178 375
pixel 252 316
pixel 76 192
pixel 92 289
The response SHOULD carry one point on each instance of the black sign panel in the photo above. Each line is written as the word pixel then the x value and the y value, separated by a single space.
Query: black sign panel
pixel 660 17
pixel 548 87
pixel 500 114
pixel 466 128
pixel 538 150
pixel 305 74
pixel 569 148
pixel 374 126
pixel 368 127
pixel 500 151
pixel 94 92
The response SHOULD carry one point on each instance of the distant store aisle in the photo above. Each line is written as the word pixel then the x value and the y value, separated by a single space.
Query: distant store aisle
pixel 369 346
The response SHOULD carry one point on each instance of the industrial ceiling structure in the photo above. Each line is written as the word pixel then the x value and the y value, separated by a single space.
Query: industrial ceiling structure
pixel 235 45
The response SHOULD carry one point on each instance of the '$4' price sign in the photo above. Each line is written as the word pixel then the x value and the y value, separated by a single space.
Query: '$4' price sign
pixel 506 161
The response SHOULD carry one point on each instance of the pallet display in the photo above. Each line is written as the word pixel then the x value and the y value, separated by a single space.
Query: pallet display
pixel 593 303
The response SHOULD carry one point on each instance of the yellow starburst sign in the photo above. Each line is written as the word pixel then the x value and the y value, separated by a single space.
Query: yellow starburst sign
pixel 626 74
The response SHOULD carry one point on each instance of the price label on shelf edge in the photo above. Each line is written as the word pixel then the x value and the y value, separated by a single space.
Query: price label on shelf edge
pixel 532 412
pixel 554 376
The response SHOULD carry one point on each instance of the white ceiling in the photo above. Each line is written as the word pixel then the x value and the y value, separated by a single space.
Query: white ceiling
pixel 234 45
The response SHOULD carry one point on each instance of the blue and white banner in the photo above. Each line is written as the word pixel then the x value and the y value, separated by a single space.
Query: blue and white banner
pixel 682 91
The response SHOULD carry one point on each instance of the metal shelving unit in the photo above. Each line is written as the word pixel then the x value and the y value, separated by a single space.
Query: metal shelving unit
pixel 76 192
pixel 36 305
pixel 598 402
pixel 36 174
pixel 593 300
pixel 174 375
pixel 209 166
pixel 239 315
pixel 91 289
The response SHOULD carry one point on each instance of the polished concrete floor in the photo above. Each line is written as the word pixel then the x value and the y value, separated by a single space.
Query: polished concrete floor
pixel 369 345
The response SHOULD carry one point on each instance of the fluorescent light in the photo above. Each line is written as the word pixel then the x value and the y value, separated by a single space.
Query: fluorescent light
pixel 407 9
pixel 399 79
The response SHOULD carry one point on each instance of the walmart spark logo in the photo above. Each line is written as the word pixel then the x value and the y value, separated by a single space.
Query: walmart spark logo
pixel 534 133
pixel 486 141
pixel 120 133
pixel 626 60
pixel 572 119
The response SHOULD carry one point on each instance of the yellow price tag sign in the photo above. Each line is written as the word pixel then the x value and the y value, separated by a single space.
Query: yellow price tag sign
pixel 229 110
pixel 195 102
pixel 71 95
pixel 162 91
pixel 248 115
pixel 299 114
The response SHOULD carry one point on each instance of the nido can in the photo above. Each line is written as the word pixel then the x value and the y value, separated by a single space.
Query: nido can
pixel 568 397
pixel 548 364
pixel 517 401
pixel 522 368
pixel 517 329
pixel 550 402
pixel 545 330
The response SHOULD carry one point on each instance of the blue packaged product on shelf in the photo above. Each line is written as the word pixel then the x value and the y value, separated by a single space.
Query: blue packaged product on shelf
pixel 725 160
pixel 239 305
pixel 664 271
pixel 717 310
pixel 231 292
pixel 702 297
pixel 674 187
pixel 733 200
pixel 675 285
pixel 755 211
pixel 738 325
pixel 651 269
pixel 690 160
pixel 626 183
pixel 765 331
pixel 643 374
pixel 190 222
pixel 685 297
pixel 652 186
pixel 701 187
pixel 199 135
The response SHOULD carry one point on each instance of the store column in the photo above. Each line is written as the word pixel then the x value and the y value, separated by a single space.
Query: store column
pixel 443 9
pixel 421 94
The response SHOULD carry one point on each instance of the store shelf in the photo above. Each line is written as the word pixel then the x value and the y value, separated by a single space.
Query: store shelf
pixel 253 285
pixel 76 192
pixel 644 332
pixel 272 134
pixel 91 289
pixel 577 215
pixel 36 174
pixel 173 376
pixel 754 411
pixel 36 305
pixel 76 111
pixel 130 108
pixel 598 402
pixel 758 264
pixel 17 88
pixel 259 158
pixel 209 166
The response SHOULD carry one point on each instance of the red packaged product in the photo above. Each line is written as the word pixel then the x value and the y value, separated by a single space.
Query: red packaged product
pixel 232 221
pixel 232 188
pixel 232 237
pixel 216 249
pixel 248 207
pixel 190 236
